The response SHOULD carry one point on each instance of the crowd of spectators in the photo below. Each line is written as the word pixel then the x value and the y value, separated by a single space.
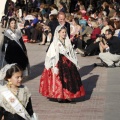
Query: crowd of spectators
pixel 86 21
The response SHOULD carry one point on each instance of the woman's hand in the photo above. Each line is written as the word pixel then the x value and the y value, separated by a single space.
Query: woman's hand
pixel 80 37
pixel 32 24
pixel 26 26
pixel 55 70
pixel 89 35
pixel 2 118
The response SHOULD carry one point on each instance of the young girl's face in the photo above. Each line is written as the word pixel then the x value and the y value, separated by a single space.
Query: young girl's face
pixel 16 79
pixel 62 33
pixel 12 24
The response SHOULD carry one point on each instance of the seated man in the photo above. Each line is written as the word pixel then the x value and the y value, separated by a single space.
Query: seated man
pixel 111 57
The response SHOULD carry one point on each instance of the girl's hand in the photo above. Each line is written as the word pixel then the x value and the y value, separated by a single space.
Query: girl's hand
pixel 55 70
pixel 32 24
pixel 3 118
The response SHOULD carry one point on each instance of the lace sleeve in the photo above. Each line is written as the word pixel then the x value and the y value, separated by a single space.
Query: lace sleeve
pixel 27 94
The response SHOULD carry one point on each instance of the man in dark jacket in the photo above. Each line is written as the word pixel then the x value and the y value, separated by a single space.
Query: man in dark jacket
pixel 60 21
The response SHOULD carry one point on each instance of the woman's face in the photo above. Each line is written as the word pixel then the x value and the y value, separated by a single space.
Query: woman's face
pixel 60 6
pixel 16 79
pixel 100 15
pixel 62 33
pixel 24 14
pixel 78 3
pixel 89 21
pixel 39 17
pixel 99 21
pixel 12 24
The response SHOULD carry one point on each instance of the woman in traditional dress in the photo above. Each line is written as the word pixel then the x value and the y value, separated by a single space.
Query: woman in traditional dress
pixel 14 47
pixel 15 99
pixel 60 78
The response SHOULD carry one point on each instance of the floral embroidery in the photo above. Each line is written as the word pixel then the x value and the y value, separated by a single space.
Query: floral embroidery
pixel 12 100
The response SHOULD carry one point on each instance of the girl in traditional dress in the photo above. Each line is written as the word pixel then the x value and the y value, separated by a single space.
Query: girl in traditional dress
pixel 60 78
pixel 15 99
pixel 14 47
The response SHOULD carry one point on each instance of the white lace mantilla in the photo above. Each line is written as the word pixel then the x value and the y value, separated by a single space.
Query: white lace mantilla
pixel 56 47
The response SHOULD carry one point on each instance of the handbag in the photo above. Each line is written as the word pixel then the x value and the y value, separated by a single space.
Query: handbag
pixel 25 38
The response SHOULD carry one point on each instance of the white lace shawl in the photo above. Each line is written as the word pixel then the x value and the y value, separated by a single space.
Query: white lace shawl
pixel 23 97
pixel 56 47
pixel 14 35
pixel 17 33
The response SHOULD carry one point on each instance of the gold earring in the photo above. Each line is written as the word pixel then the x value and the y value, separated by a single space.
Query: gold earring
pixel 9 83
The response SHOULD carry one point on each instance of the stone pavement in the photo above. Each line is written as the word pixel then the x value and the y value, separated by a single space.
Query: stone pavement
pixel 102 85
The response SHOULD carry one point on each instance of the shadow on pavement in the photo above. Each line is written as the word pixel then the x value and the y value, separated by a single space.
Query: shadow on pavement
pixel 35 71
pixel 89 84
pixel 85 70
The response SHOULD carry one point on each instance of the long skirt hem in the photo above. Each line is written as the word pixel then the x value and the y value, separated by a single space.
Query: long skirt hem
pixel 64 85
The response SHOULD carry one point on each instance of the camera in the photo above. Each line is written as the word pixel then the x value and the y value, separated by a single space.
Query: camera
pixel 101 35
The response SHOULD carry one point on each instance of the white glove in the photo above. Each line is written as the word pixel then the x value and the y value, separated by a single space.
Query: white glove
pixel 107 49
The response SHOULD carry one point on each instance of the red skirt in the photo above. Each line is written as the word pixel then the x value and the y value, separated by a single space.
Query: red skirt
pixel 64 85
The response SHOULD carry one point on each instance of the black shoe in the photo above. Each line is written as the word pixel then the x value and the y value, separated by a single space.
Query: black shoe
pixel 104 64
pixel 56 100
pixel 3 32
pixel 95 64
pixel 70 101
pixel 82 55
pixel 99 64
pixel 98 57
pixel 61 101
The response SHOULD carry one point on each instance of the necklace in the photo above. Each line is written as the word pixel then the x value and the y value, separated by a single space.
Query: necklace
pixel 63 42
pixel 13 30
pixel 15 92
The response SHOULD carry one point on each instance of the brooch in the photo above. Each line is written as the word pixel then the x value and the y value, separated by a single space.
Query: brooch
pixel 12 100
